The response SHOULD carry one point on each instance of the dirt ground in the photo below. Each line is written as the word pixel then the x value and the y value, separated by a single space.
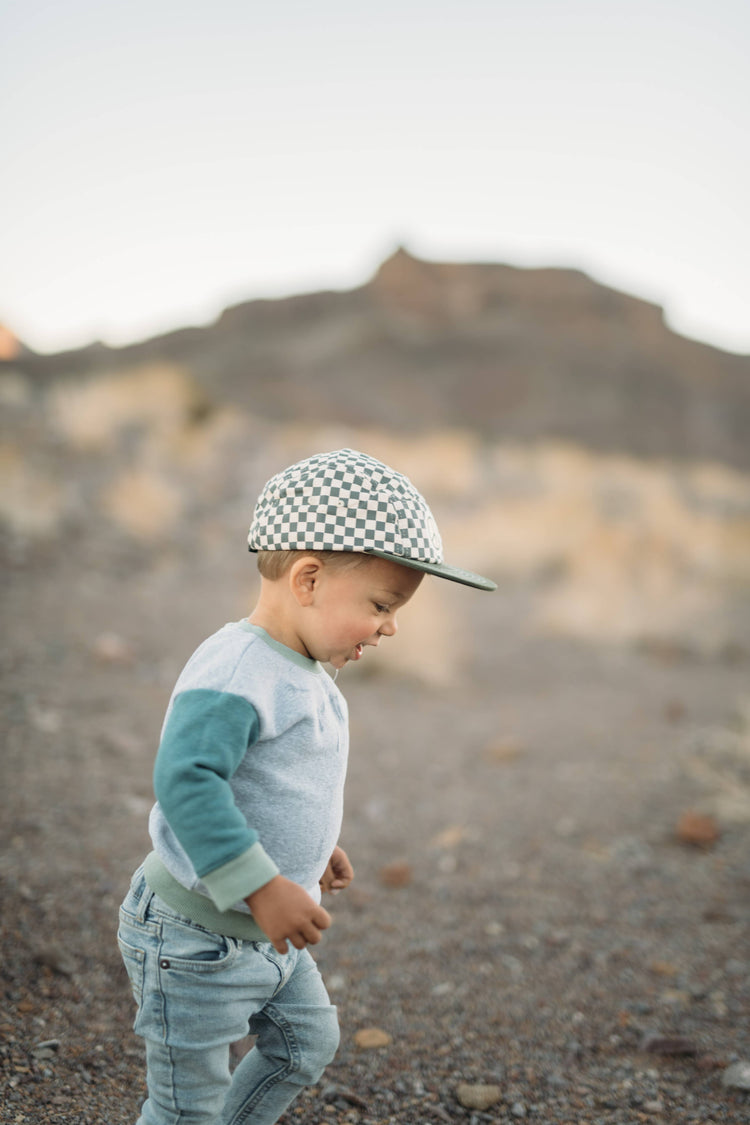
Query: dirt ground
pixel 526 928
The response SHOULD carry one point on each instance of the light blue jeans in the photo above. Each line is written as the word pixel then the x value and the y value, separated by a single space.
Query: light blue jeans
pixel 197 992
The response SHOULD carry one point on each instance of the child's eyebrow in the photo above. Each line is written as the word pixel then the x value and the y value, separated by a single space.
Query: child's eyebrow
pixel 394 595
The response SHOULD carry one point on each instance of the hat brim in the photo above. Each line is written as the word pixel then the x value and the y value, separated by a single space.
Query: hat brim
pixel 440 570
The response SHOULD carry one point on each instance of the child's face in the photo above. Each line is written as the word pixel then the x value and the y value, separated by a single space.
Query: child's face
pixel 352 608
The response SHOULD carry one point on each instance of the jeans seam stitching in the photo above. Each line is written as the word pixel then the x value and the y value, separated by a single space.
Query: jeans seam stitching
pixel 287 1068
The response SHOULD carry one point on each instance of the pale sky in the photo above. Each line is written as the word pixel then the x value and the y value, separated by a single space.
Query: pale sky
pixel 165 158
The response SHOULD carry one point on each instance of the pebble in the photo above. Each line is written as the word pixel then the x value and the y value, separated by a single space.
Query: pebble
pixel 398 874
pixel 477 1096
pixel 343 1093
pixel 449 837
pixel 368 1038
pixel 504 751
pixel 668 1045
pixel 737 1076
pixel 111 648
pixel 46 1050
pixel 55 958
pixel 697 830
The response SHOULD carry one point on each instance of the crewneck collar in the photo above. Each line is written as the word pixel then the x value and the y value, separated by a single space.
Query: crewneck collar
pixel 305 662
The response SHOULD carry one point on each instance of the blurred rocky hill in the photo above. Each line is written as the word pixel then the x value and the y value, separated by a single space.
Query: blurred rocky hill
pixel 509 354
pixel 593 462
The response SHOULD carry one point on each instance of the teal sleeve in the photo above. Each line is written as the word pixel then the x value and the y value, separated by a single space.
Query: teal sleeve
pixel 205 738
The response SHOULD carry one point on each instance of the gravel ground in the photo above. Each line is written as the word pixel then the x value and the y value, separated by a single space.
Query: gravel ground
pixel 527 938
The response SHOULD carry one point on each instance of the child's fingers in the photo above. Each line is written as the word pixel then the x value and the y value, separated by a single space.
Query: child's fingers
pixel 321 918
pixel 309 931
pixel 343 875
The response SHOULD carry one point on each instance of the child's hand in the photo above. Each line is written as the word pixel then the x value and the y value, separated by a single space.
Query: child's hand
pixel 284 910
pixel 339 872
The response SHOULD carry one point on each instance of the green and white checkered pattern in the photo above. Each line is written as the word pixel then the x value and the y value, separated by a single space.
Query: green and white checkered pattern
pixel 345 501
pixel 348 501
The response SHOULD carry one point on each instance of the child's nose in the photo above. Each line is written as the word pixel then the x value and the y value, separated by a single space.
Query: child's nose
pixel 389 628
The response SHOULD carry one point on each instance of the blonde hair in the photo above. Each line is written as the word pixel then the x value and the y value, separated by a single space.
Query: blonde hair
pixel 274 564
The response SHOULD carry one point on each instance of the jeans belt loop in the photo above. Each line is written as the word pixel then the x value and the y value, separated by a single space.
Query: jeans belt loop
pixel 144 902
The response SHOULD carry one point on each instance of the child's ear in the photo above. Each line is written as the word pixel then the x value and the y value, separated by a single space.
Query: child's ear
pixel 304 576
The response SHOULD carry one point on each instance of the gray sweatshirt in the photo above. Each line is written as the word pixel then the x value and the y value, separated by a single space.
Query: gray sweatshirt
pixel 249 776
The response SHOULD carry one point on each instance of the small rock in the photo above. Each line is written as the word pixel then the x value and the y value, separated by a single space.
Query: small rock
pixel 369 1038
pixel 504 751
pixel 46 1050
pixel 675 998
pixel 668 1045
pixel 697 830
pixel 556 1080
pixel 56 959
pixel 396 874
pixel 494 929
pixel 719 1006
pixel 343 1093
pixel 655 1106
pixel 449 837
pixel 479 1097
pixel 111 648
pixel 737 1076
pixel 514 965
pixel 709 1062
pixel 518 1109
pixel 663 968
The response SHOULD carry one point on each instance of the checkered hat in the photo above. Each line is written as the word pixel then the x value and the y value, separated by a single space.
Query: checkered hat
pixel 347 501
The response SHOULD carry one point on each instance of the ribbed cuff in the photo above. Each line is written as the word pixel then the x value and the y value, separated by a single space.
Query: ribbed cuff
pixel 237 879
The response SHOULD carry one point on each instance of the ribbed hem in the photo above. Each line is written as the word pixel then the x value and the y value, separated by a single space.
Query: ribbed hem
pixel 197 907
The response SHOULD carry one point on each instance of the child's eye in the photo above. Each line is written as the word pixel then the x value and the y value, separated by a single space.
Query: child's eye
pixel 381 608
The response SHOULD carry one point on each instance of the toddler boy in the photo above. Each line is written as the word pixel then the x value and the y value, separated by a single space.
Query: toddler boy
pixel 249 783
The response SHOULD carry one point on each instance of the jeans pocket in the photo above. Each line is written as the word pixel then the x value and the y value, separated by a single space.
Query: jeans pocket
pixel 187 946
pixel 135 960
